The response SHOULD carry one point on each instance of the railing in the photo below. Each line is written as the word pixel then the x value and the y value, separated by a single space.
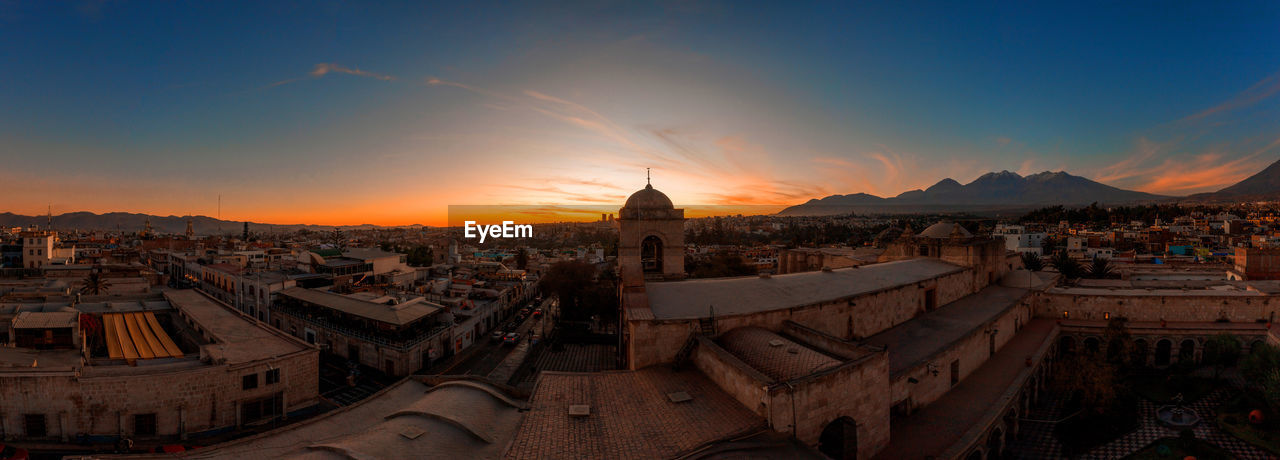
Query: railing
pixel 401 344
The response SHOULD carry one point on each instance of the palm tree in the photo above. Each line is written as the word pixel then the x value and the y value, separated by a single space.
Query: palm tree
pixel 1101 268
pixel 1068 267
pixel 95 284
pixel 1032 261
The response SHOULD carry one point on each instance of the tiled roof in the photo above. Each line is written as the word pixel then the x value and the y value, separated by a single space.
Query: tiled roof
pixel 774 355
pixel 630 415
pixel 46 320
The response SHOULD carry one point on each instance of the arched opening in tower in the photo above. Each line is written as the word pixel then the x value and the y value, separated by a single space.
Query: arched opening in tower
pixel 651 254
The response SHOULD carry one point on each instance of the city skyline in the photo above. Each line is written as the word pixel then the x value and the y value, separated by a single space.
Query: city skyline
pixel 344 114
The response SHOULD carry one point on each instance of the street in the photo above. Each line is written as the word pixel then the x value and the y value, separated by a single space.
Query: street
pixel 487 353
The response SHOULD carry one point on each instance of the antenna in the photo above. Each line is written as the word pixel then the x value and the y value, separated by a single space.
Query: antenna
pixel 648 179
pixel 219 214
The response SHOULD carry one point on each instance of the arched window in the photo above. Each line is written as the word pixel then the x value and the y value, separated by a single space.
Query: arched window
pixel 1163 349
pixel 651 254
pixel 1187 350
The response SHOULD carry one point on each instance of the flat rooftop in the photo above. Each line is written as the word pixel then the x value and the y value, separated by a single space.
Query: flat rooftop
pixel 399 315
pixel 917 340
pixel 236 338
pixel 629 411
pixel 691 299
pixel 946 423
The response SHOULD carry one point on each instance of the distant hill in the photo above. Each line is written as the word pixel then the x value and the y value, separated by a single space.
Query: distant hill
pixel 992 191
pixel 1264 185
pixel 133 222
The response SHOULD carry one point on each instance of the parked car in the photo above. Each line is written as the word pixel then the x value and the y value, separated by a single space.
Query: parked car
pixel 511 339
pixel 537 313
pixel 174 448
pixel 8 452
pixel 512 326
pixel 534 339
pixel 497 334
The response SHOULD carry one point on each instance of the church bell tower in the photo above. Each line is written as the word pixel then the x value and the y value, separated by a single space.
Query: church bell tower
pixel 651 238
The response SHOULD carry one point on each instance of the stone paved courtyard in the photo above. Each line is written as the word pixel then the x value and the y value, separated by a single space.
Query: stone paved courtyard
pixel 1037 441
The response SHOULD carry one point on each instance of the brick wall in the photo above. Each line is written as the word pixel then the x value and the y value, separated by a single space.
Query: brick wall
pixel 185 397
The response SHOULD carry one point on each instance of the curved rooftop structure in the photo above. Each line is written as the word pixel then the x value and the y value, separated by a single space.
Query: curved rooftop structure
pixel 649 203
pixel 648 198
pixel 944 230
pixel 406 421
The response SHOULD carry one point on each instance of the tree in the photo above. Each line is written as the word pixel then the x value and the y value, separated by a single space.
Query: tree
pixel 94 283
pixel 1032 261
pixel 522 258
pixel 1117 340
pixel 420 256
pixel 1090 380
pixel 719 265
pixel 1221 351
pixel 338 239
pixel 571 282
pixel 1068 267
pixel 1261 360
pixel 1271 388
pixel 1101 268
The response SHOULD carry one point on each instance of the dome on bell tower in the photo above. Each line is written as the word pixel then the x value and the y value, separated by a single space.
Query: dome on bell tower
pixel 648 198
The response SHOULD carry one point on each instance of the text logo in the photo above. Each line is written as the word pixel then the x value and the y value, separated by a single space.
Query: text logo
pixel 507 229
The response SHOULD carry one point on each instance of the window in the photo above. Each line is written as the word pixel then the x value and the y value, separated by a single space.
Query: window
pixel 930 299
pixel 273 376
pixel 924 251
pixel 144 424
pixel 250 381
pixel 35 426
pixel 259 409
pixel 955 372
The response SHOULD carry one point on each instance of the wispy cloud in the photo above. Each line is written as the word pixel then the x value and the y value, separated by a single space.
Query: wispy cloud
pixel 1205 151
pixel 325 68
pixel 1258 92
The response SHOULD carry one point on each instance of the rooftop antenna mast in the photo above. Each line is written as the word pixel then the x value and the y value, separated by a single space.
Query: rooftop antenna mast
pixel 648 178
pixel 49 225
pixel 219 214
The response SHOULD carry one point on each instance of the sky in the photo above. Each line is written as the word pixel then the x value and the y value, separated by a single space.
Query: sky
pixel 387 113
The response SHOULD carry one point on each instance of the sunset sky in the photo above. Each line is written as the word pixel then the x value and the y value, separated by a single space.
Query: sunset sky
pixel 383 113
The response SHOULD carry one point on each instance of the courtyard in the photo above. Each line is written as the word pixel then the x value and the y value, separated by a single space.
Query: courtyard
pixel 1106 402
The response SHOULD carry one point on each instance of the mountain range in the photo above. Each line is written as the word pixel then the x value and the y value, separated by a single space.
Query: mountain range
pixel 991 191
pixel 1008 191
pixel 1265 185
pixel 133 222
